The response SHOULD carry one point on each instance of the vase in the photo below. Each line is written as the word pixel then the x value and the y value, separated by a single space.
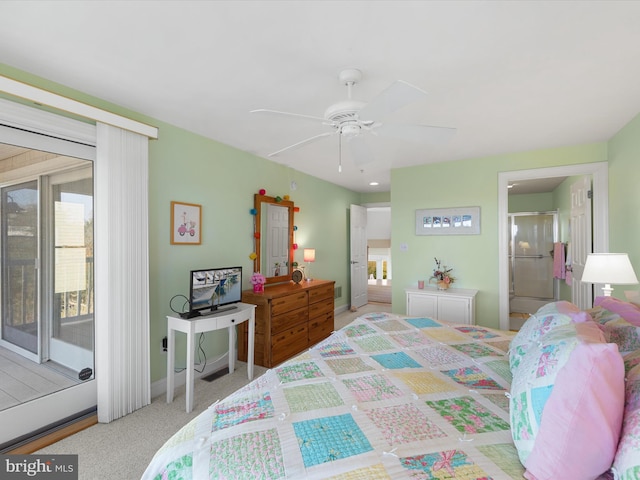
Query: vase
pixel 442 285
pixel 258 288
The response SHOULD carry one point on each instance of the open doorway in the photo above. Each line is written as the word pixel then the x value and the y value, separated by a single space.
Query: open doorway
pixel 599 179
pixel 379 265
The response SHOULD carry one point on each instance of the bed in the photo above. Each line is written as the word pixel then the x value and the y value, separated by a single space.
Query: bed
pixel 397 397
pixel 387 396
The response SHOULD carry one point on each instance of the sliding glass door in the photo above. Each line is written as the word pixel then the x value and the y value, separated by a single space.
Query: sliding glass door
pixel 71 327
pixel 47 270
pixel 19 264
pixel 47 333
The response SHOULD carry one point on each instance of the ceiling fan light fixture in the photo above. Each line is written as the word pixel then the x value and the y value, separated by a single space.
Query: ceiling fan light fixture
pixel 350 130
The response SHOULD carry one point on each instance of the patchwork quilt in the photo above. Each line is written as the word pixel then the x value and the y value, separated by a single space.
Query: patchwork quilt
pixel 386 397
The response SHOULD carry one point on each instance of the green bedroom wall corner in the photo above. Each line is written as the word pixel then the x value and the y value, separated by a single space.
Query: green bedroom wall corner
pixel 224 181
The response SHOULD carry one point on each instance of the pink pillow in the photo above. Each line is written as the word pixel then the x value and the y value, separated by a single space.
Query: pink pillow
pixel 628 311
pixel 627 461
pixel 581 420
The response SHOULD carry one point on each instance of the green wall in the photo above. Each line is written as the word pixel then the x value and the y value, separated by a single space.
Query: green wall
pixel 462 183
pixel 624 196
pixel 194 169
pixel 187 167
pixel 375 197
pixel 531 202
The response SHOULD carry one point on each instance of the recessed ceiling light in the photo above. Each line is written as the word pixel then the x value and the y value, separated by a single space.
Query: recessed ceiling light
pixel 373 184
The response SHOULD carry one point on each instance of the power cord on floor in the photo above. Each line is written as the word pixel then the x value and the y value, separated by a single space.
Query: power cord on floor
pixel 202 355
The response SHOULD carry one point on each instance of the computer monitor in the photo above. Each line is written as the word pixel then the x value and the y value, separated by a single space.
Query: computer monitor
pixel 213 288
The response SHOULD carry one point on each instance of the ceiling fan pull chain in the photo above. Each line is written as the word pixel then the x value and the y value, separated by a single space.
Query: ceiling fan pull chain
pixel 339 152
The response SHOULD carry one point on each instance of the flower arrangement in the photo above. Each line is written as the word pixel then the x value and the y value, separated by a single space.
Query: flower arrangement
pixel 258 280
pixel 442 274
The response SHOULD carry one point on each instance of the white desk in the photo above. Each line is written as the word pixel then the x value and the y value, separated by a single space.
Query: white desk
pixel 216 321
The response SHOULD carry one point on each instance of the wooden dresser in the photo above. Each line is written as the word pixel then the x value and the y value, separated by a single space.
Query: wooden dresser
pixel 289 319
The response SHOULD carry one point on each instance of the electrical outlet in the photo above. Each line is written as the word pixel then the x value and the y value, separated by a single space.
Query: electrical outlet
pixel 164 345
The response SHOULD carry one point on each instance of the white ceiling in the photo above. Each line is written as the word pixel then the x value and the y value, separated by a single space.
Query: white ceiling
pixel 511 76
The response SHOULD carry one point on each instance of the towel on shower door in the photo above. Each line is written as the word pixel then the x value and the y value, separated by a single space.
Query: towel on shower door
pixel 559 267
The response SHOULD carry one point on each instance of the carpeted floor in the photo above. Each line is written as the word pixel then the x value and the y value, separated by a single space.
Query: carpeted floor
pixel 123 448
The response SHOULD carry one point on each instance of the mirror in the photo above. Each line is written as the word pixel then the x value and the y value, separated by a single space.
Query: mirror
pixel 274 238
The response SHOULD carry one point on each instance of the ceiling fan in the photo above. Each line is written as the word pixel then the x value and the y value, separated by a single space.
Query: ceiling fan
pixel 354 120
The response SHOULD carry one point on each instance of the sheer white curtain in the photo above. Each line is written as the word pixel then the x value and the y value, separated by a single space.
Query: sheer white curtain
pixel 122 272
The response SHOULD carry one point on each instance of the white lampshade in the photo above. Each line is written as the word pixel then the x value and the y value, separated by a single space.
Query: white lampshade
pixel 609 268
pixel 309 254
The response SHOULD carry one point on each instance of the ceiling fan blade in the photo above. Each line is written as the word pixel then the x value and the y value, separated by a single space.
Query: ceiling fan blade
pixel 416 133
pixel 303 142
pixel 360 150
pixel 396 96
pixel 288 114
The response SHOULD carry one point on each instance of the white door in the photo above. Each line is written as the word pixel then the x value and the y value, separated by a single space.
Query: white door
pixel 581 243
pixel 278 231
pixel 358 227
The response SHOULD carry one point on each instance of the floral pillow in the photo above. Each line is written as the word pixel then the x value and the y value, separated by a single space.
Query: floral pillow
pixel 545 319
pixel 622 333
pixel 566 403
pixel 627 310
pixel 626 465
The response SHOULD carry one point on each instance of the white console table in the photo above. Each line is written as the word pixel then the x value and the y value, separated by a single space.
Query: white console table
pixel 217 321
pixel 456 305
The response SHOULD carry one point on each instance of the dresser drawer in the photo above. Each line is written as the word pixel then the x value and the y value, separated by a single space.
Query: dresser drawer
pixel 290 302
pixel 286 344
pixel 321 293
pixel 287 320
pixel 321 307
pixel 320 327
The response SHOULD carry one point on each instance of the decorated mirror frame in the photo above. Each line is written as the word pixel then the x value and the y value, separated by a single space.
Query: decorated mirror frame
pixel 259 200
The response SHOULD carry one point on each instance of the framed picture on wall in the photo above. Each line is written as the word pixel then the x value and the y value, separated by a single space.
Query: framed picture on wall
pixel 186 223
pixel 448 221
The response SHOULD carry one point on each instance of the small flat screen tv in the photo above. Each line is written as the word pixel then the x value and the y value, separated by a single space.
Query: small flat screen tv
pixel 214 289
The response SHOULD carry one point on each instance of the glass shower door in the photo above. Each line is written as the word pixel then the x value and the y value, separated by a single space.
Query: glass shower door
pixel 532 261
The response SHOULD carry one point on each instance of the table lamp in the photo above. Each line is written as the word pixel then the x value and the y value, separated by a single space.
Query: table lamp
pixel 309 257
pixel 609 268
